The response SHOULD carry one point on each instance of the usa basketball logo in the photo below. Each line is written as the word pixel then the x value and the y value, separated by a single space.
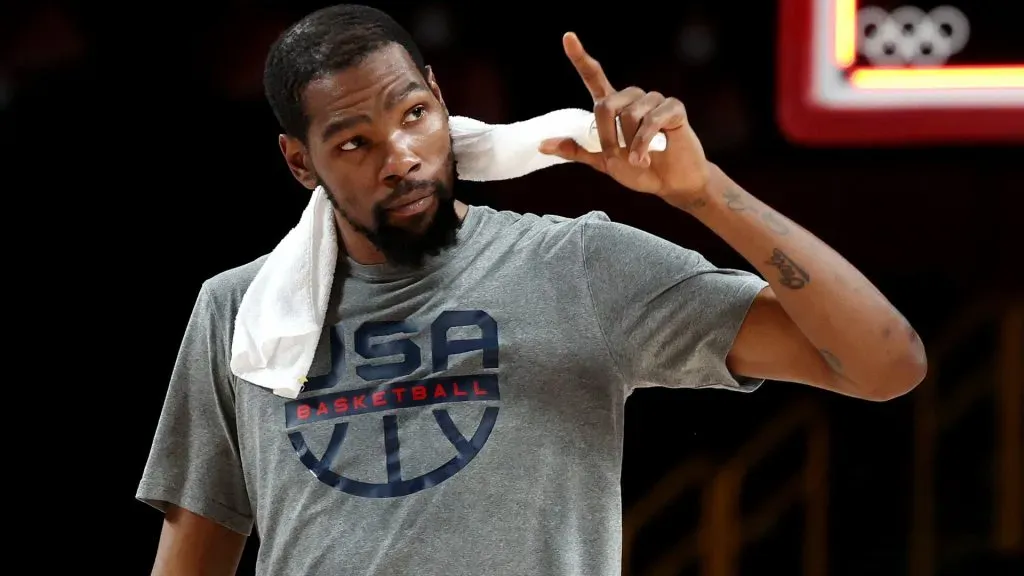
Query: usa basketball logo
pixel 339 408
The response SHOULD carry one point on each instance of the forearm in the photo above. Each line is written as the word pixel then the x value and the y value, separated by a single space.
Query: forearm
pixel 854 327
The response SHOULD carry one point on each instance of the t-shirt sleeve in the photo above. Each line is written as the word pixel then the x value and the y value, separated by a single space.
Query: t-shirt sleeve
pixel 668 315
pixel 194 460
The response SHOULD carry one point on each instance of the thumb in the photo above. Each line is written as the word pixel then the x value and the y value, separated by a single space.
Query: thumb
pixel 570 150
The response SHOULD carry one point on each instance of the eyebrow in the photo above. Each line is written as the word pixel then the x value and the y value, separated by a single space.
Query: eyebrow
pixel 393 99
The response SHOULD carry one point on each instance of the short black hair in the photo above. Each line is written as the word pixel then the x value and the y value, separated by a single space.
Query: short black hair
pixel 324 42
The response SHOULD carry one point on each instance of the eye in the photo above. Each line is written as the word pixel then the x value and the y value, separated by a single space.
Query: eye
pixel 352 144
pixel 416 113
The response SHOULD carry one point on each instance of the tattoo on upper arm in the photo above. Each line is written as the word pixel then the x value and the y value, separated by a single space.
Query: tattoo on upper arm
pixel 791 274
pixel 775 222
pixel 832 361
pixel 912 334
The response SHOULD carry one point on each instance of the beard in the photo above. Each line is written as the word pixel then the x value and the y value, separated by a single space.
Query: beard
pixel 400 245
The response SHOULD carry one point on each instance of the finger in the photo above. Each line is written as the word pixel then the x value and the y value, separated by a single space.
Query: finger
pixel 588 68
pixel 632 116
pixel 606 111
pixel 570 150
pixel 668 116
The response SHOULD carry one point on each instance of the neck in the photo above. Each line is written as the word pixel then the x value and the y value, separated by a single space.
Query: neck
pixel 360 249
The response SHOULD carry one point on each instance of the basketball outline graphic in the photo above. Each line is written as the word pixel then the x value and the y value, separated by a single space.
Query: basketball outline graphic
pixel 397 396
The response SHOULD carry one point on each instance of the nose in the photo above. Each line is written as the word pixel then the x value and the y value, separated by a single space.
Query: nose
pixel 400 162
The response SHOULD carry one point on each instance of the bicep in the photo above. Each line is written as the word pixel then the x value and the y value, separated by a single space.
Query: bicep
pixel 769 345
pixel 192 544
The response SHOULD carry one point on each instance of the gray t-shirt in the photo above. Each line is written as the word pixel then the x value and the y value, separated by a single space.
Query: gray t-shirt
pixel 461 419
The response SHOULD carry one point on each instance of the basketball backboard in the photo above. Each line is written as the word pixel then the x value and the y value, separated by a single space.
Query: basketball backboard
pixel 879 73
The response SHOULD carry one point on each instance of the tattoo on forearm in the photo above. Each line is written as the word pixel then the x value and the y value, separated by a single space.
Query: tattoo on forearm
pixel 832 361
pixel 775 223
pixel 791 274
pixel 734 201
pixel 692 205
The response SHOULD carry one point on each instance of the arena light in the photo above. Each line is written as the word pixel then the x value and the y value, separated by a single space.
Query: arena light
pixel 845 33
pixel 942 78
pixel 842 81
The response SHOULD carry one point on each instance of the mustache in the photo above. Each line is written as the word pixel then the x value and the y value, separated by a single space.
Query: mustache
pixel 410 186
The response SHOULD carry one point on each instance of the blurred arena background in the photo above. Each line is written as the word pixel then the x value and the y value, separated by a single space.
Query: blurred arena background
pixel 141 134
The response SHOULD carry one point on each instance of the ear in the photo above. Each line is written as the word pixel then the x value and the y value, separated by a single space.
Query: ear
pixel 298 160
pixel 432 83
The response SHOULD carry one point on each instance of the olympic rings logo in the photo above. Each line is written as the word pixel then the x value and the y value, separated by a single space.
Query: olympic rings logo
pixel 909 36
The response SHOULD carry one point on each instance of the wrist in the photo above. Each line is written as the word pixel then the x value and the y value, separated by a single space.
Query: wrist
pixel 699 199
pixel 689 202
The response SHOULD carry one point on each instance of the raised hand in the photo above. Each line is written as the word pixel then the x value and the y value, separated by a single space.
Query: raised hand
pixel 679 173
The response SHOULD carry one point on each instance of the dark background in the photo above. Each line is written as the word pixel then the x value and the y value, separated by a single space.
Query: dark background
pixel 139 137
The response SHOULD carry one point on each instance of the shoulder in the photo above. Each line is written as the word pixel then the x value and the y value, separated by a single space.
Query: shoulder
pixel 222 293
pixel 530 227
pixel 593 227
pixel 604 235
pixel 592 236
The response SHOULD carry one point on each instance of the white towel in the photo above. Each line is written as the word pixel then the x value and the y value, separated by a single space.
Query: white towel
pixel 281 316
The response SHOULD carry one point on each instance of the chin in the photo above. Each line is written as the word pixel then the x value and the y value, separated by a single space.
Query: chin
pixel 408 239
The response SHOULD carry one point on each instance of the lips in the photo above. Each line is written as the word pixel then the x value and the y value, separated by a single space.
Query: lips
pixel 407 200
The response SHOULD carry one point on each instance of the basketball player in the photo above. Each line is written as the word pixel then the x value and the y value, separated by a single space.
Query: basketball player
pixel 465 413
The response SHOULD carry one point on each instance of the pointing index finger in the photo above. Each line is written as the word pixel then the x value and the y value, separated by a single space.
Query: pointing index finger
pixel 589 69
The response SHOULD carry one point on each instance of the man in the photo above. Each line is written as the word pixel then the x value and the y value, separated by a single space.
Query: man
pixel 467 413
